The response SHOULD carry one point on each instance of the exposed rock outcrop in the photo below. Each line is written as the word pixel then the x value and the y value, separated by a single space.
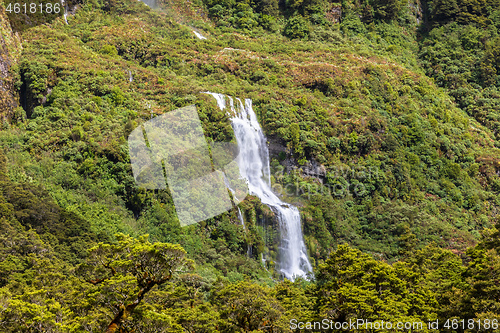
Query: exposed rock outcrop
pixel 417 11
pixel 334 14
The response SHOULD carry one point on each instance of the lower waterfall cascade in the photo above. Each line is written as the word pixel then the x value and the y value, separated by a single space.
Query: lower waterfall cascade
pixel 253 162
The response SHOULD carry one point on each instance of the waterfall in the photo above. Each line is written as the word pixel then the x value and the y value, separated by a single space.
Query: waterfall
pixel 150 3
pixel 130 77
pixel 240 217
pixel 249 247
pixel 200 36
pixel 253 161
pixel 65 7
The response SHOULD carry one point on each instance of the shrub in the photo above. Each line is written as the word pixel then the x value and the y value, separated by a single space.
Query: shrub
pixel 109 49
pixel 297 27
pixel 352 23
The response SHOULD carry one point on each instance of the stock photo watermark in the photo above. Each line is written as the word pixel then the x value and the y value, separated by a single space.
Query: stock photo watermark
pixel 334 181
pixel 358 324
pixel 172 149
pixel 366 324
pixel 205 180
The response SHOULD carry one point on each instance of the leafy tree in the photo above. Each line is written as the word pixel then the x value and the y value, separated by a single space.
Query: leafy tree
pixel 352 23
pixel 443 10
pixel 296 27
pixel 387 9
pixel 126 272
pixel 247 307
pixel 268 7
pixel 481 298
pixel 490 65
pixel 442 272
pixel 297 298
pixel 353 285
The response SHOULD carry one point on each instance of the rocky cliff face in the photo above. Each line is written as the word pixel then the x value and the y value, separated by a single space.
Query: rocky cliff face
pixel 10 47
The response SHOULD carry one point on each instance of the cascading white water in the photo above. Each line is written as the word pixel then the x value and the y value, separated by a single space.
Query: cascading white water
pixel 200 36
pixel 253 162
pixel 240 217
pixel 66 14
pixel 65 8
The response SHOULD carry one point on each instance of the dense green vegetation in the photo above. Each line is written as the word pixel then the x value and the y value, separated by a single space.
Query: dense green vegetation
pixel 398 101
pixel 135 285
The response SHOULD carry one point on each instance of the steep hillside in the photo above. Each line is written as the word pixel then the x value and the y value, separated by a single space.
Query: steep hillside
pixel 397 155
pixel 381 120
pixel 10 48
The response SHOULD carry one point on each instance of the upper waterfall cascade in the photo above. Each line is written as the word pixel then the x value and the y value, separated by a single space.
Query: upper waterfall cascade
pixel 200 36
pixel 253 162
pixel 65 8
